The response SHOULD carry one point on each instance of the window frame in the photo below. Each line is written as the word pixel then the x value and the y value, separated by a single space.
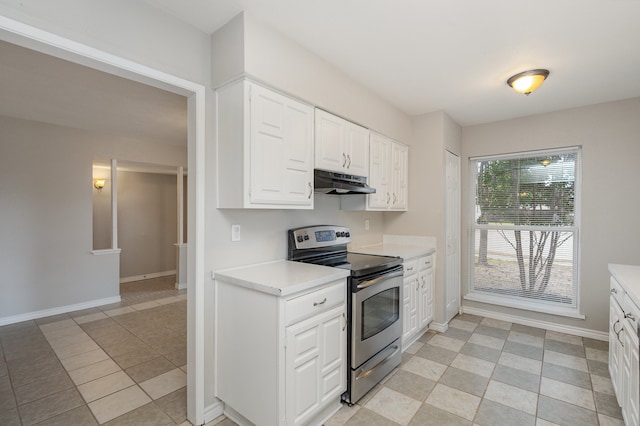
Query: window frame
pixel 513 301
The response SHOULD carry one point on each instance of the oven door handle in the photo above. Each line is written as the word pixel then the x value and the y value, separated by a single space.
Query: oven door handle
pixel 362 374
pixel 367 283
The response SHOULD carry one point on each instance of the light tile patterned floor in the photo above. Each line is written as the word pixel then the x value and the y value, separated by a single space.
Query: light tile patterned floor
pixel 488 372
pixel 125 364
pixel 118 364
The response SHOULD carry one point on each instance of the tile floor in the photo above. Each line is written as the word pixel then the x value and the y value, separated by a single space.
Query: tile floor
pixel 117 364
pixel 489 372
pixel 126 363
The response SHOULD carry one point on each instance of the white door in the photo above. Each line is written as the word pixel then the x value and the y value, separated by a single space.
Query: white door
pixel 452 236
pixel 330 141
pixel 379 171
pixel 357 149
pixel 281 149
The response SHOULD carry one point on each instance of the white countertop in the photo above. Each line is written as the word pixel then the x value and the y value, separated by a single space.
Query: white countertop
pixel 629 278
pixel 281 277
pixel 404 246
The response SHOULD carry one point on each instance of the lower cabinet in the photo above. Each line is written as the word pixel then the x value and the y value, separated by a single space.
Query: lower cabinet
pixel 417 303
pixel 314 364
pixel 624 352
pixel 280 360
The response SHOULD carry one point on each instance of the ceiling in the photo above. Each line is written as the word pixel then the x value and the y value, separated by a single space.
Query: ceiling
pixel 455 55
pixel 39 87
pixel 419 55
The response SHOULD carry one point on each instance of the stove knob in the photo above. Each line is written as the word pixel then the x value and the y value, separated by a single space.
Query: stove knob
pixel 306 238
pixel 300 239
pixel 340 234
pixel 347 234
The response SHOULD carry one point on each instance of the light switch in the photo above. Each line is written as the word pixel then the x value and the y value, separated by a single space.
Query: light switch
pixel 235 232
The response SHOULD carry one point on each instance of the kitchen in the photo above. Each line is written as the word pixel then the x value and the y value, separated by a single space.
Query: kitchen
pixel 264 233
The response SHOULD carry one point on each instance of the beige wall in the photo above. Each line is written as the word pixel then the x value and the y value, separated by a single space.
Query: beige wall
pixel 147 223
pixel 46 209
pixel 432 134
pixel 609 135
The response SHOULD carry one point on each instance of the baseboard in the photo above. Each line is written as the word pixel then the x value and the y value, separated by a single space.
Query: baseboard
pixel 213 411
pixel 439 327
pixel 568 329
pixel 181 286
pixel 56 311
pixel 147 276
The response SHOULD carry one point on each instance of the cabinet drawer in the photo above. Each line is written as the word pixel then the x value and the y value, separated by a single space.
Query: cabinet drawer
pixel 410 267
pixel 616 291
pixel 315 302
pixel 425 262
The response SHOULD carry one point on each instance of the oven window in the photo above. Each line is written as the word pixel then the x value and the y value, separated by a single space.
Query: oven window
pixel 380 311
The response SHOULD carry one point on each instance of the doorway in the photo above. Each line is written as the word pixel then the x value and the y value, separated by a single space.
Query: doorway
pixel 33 38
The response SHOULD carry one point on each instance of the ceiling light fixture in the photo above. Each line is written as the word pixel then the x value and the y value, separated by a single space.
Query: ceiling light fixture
pixel 545 162
pixel 528 81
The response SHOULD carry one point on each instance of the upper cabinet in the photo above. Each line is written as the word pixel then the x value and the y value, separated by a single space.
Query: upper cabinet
pixel 341 146
pixel 388 174
pixel 265 149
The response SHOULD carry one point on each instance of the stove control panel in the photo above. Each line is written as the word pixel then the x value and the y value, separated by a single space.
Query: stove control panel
pixel 319 236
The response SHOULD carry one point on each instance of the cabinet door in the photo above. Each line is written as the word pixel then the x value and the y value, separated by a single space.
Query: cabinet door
pixel 315 364
pixel 380 150
pixel 330 142
pixel 616 324
pixel 281 166
pixel 410 306
pixel 399 176
pixel 425 312
pixel 357 150
pixel 631 408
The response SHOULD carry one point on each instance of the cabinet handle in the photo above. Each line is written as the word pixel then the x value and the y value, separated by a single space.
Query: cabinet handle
pixel 344 159
pixel 320 303
pixel 618 334
pixel 310 190
pixel 614 327
pixel 630 316
pixel 388 198
pixel 613 290
pixel 349 158
pixel 410 269
pixel 344 317
pixel 395 200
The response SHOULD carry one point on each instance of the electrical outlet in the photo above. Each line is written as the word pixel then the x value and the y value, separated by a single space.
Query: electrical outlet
pixel 235 232
pixel 366 224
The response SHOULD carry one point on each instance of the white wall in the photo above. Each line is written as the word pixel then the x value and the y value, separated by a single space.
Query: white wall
pixel 281 62
pixel 608 134
pixel 432 134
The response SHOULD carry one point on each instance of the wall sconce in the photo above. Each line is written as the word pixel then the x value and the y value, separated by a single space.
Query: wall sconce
pixel 528 81
pixel 99 184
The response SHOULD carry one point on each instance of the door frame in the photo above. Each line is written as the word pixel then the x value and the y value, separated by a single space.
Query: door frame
pixel 452 218
pixel 45 42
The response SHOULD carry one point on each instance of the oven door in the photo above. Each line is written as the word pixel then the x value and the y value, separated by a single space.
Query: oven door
pixel 375 315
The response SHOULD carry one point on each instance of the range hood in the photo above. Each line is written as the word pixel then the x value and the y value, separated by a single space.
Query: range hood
pixel 340 184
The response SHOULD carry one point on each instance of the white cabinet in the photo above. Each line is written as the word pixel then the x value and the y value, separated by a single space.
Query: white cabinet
pixel 388 174
pixel 314 366
pixel 425 280
pixel 265 149
pixel 280 360
pixel 410 298
pixel 341 146
pixel 417 304
pixel 624 348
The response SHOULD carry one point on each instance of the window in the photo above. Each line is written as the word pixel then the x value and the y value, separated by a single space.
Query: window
pixel 524 230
